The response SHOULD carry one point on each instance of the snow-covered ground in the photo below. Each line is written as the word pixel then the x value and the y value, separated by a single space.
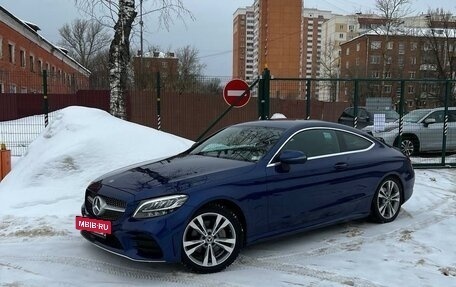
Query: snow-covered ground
pixel 39 245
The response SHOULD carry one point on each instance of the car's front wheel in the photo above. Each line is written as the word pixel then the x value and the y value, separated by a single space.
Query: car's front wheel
pixel 212 239
pixel 387 201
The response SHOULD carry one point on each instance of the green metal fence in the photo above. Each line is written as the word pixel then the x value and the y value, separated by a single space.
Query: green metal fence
pixel 415 115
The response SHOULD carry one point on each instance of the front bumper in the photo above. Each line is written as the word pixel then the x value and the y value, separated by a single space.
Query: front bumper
pixel 146 240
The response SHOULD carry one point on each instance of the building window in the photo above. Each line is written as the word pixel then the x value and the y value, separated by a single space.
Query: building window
pixel 389 60
pixel 375 74
pixel 347 65
pixel 23 90
pixel 413 60
pixel 411 89
pixel 2 88
pixel 387 88
pixel 375 45
pixel 358 47
pixel 1 49
pixel 401 48
pixel 13 88
pixel 347 52
pixel 400 61
pixel 357 61
pixel 11 53
pixel 341 27
pixel 413 46
pixel 412 75
pixel 48 68
pixel 22 58
pixel 375 59
pixel 390 45
pixel 32 63
pixel 341 35
pixel 40 66
pixel 387 75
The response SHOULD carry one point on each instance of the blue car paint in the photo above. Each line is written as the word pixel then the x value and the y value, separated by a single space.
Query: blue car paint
pixel 326 195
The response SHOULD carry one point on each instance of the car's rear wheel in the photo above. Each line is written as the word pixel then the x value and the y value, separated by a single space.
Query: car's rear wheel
pixel 409 145
pixel 212 239
pixel 387 201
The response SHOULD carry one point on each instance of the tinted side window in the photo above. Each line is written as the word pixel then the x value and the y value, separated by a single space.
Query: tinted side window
pixel 314 142
pixel 438 116
pixel 352 142
pixel 451 116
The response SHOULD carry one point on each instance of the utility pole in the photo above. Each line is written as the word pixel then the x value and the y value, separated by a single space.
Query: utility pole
pixel 141 24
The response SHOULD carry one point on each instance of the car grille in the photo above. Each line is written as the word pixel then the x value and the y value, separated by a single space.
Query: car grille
pixel 114 209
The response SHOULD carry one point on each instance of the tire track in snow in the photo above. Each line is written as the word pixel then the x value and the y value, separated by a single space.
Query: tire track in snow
pixel 186 279
pixel 305 271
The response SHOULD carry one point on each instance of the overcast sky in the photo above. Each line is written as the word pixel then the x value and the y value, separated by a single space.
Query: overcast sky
pixel 210 32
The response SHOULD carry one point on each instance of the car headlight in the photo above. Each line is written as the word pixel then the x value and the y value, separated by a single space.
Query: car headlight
pixel 159 206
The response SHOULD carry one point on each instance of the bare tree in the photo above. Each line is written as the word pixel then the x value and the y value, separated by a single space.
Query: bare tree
pixel 440 49
pixel 189 66
pixel 84 39
pixel 329 68
pixel 392 12
pixel 121 15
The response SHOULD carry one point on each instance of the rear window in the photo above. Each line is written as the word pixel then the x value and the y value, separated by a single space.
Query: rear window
pixel 352 142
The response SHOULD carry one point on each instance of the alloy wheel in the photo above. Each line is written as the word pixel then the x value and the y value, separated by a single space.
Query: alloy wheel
pixel 209 239
pixel 389 199
pixel 407 147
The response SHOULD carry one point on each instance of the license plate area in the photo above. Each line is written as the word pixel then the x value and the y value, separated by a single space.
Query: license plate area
pixel 97 226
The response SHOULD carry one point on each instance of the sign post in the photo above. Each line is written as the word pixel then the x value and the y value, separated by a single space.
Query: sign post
pixel 236 93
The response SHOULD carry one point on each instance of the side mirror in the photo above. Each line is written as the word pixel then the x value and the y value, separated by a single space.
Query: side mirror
pixel 292 157
pixel 429 121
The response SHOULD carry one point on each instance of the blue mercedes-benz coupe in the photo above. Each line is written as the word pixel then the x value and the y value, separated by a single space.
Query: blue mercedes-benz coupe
pixel 246 183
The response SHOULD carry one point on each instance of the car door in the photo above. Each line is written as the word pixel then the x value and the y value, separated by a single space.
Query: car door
pixel 451 136
pixel 317 191
pixel 431 135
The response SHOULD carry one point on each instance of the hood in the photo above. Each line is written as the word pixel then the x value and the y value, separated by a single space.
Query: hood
pixel 173 174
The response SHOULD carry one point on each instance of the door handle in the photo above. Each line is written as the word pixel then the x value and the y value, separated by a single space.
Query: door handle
pixel 341 166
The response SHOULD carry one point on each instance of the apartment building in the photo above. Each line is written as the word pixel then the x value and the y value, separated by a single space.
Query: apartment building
pixel 311 39
pixel 336 31
pixel 409 55
pixel 24 54
pixel 243 44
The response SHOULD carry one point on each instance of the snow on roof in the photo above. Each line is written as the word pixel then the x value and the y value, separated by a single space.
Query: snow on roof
pixel 32 25
pixel 33 28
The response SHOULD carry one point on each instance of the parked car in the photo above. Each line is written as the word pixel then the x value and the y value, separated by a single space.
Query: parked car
pixel 365 116
pixel 246 183
pixel 422 131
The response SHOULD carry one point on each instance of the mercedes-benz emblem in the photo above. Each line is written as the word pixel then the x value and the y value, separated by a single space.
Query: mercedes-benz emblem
pixel 98 206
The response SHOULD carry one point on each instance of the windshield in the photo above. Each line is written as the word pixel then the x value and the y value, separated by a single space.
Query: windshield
pixel 246 143
pixel 415 115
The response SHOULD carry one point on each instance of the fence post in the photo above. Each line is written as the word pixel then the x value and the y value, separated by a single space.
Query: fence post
pixel 356 103
pixel 401 114
pixel 45 99
pixel 263 95
pixel 158 102
pixel 445 122
pixel 308 100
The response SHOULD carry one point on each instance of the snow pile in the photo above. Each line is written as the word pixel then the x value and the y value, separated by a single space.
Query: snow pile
pixel 77 147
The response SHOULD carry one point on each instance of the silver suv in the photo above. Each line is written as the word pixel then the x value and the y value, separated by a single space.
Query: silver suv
pixel 423 131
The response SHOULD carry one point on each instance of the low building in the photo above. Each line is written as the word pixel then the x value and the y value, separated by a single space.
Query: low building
pixel 414 55
pixel 146 68
pixel 24 54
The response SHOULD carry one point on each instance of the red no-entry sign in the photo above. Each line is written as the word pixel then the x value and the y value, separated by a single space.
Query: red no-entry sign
pixel 233 91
